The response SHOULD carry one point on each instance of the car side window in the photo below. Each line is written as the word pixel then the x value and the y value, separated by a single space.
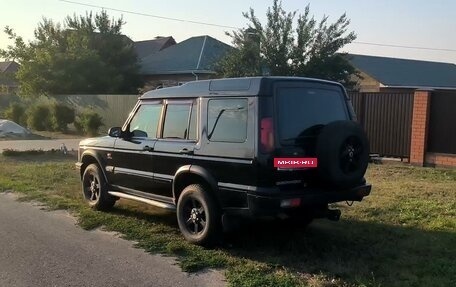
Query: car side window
pixel 145 121
pixel 176 120
pixel 193 123
pixel 227 120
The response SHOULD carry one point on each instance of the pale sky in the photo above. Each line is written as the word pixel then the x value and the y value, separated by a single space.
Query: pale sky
pixel 418 23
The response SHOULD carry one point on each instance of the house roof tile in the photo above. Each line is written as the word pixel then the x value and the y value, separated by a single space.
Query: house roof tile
pixel 394 72
pixel 148 47
pixel 9 67
pixel 196 54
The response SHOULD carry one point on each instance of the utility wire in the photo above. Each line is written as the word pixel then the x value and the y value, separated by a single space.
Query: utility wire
pixel 150 15
pixel 232 27
pixel 405 47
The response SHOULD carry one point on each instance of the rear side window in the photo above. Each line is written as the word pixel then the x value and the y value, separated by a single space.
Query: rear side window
pixel 227 120
pixel 193 123
pixel 301 110
pixel 176 121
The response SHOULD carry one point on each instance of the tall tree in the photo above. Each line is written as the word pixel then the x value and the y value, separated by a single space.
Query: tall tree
pixel 87 55
pixel 287 47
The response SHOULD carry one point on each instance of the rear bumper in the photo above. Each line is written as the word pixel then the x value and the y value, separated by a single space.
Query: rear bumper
pixel 261 205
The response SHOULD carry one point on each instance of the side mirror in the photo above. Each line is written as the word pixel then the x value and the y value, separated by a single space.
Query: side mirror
pixel 115 132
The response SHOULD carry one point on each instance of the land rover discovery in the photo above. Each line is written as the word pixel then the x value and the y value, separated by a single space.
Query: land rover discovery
pixel 246 147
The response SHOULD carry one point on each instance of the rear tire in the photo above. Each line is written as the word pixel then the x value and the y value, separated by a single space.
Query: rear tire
pixel 94 189
pixel 198 216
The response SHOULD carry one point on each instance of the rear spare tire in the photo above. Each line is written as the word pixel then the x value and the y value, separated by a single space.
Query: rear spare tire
pixel 343 153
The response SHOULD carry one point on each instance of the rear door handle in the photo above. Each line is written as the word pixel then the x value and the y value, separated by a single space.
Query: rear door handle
pixel 148 148
pixel 186 151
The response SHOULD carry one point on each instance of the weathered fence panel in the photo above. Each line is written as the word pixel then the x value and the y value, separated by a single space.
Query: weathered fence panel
pixel 114 109
pixel 387 120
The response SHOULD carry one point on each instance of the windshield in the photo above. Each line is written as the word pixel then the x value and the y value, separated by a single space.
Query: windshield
pixel 303 111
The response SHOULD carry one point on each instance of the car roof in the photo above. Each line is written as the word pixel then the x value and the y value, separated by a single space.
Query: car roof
pixel 249 86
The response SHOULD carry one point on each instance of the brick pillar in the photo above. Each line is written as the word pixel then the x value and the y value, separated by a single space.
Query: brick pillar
pixel 420 121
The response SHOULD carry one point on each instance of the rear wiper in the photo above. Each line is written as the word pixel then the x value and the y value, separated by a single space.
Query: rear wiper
pixel 209 136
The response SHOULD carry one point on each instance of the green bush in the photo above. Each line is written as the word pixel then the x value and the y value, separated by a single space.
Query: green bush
pixel 12 152
pixel 88 122
pixel 61 116
pixel 16 113
pixel 39 118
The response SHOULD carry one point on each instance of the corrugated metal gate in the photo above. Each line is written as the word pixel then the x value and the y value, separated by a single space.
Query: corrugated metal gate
pixel 442 122
pixel 387 120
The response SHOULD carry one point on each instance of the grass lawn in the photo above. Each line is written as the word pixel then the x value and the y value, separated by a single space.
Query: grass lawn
pixel 404 234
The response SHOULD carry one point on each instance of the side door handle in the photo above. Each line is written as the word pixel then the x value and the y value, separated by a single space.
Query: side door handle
pixel 186 151
pixel 148 148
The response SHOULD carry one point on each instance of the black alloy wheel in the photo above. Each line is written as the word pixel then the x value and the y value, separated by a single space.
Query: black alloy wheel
pixel 350 155
pixel 94 189
pixel 198 215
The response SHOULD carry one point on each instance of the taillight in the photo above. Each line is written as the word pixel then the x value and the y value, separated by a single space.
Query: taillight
pixel 294 202
pixel 267 135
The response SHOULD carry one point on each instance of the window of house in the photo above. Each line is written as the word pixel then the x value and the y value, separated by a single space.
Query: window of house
pixel 227 120
pixel 145 122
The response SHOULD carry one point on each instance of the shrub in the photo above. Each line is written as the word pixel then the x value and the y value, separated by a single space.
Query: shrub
pixel 39 118
pixel 12 152
pixel 61 116
pixel 88 122
pixel 16 113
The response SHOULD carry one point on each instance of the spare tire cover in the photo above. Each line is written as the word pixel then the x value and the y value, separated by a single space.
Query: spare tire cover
pixel 343 153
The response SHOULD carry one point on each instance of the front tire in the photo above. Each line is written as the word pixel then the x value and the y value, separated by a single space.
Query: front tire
pixel 94 189
pixel 198 216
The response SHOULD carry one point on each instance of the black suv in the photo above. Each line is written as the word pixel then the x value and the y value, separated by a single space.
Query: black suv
pixel 250 147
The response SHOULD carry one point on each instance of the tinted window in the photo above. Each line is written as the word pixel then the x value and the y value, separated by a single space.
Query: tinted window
pixel 176 121
pixel 301 109
pixel 227 120
pixel 145 121
pixel 193 122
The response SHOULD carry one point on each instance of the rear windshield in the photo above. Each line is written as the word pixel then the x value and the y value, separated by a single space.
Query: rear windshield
pixel 301 111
